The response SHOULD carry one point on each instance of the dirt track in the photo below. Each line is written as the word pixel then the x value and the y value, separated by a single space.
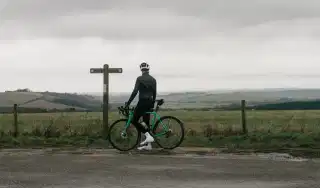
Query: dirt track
pixel 111 170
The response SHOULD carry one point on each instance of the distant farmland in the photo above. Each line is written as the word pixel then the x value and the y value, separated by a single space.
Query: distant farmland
pixel 259 100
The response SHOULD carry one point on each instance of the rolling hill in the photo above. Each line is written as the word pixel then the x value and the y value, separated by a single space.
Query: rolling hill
pixel 213 99
pixel 86 102
pixel 48 100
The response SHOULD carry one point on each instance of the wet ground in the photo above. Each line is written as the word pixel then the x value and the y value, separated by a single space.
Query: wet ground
pixel 109 169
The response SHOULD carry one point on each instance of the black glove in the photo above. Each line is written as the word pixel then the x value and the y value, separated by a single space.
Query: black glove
pixel 126 104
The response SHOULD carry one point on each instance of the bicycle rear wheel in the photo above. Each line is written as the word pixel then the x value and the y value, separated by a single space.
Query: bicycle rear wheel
pixel 123 139
pixel 164 132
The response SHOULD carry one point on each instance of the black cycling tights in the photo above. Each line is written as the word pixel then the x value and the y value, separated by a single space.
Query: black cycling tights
pixel 142 107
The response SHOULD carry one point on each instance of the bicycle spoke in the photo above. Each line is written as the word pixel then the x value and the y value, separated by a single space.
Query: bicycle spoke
pixel 121 138
pixel 171 135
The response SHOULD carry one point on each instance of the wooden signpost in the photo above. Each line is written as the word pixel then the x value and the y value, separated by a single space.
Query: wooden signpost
pixel 105 71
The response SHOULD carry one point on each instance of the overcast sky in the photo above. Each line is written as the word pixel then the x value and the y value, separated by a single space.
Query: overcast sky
pixel 190 45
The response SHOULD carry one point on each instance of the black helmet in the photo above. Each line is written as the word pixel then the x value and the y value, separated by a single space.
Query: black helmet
pixel 144 66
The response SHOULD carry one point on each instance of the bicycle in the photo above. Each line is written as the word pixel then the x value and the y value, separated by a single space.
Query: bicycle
pixel 126 128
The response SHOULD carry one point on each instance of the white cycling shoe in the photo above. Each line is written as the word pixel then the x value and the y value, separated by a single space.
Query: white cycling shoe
pixel 149 139
pixel 146 147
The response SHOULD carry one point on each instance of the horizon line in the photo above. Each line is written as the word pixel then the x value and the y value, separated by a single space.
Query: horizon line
pixel 183 91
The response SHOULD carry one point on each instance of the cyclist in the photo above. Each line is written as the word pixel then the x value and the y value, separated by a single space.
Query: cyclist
pixel 146 85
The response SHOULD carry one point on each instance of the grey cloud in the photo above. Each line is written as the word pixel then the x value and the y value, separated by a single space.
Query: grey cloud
pixel 251 12
pixel 146 19
pixel 114 26
pixel 172 75
pixel 128 24
pixel 227 9
pixel 38 10
pixel 273 76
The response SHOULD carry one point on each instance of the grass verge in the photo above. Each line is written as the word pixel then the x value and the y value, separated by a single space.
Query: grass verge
pixel 294 143
pixel 86 132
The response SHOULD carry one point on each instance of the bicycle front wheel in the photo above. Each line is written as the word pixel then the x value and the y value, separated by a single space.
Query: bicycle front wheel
pixel 121 138
pixel 168 132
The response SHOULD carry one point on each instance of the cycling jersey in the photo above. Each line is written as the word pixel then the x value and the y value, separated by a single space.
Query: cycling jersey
pixel 146 85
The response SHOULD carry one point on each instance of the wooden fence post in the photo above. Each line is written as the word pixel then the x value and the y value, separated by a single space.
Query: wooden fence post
pixel 243 117
pixel 15 120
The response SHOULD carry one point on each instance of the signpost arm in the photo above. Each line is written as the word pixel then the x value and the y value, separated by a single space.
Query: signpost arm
pixel 105 100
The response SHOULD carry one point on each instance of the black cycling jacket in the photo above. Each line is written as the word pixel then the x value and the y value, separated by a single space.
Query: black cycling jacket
pixel 147 87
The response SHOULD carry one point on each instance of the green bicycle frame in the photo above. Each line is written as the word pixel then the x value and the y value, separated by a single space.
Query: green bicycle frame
pixel 153 122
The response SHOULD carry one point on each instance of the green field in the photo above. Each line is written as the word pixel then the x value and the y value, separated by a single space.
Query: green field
pixel 268 130
pixel 272 121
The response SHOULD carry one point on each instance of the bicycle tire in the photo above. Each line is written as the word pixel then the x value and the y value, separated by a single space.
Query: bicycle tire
pixel 182 131
pixel 114 145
